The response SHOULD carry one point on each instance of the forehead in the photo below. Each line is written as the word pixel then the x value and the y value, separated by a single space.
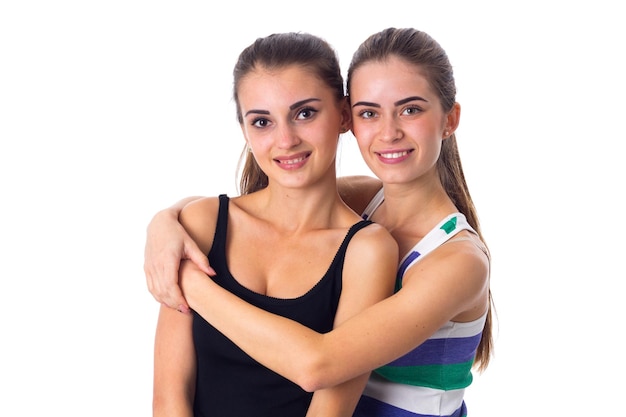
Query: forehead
pixel 393 75
pixel 288 82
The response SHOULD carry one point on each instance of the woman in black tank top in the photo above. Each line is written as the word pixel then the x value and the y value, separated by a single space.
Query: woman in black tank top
pixel 288 245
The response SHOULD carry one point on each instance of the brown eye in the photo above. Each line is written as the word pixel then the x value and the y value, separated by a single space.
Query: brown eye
pixel 260 122
pixel 306 113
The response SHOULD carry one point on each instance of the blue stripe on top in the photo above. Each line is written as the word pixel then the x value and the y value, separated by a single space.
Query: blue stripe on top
pixel 440 352
pixel 412 256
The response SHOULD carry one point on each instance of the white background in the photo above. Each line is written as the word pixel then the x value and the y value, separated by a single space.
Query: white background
pixel 110 111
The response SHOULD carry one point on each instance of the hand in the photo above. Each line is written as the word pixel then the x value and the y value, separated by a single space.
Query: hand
pixel 167 243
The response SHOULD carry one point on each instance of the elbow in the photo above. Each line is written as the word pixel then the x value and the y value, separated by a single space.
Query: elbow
pixel 315 374
pixel 311 382
pixel 173 401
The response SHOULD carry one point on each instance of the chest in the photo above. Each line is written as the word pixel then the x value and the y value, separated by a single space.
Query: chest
pixel 281 266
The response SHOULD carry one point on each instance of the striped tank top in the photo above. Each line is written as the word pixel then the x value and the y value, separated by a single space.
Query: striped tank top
pixel 431 379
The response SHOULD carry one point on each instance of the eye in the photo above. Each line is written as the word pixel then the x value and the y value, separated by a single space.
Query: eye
pixel 305 113
pixel 260 122
pixel 411 110
pixel 366 114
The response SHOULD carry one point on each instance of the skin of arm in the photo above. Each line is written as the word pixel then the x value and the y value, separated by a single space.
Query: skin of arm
pixel 337 401
pixel 167 242
pixel 368 277
pixel 451 283
pixel 174 365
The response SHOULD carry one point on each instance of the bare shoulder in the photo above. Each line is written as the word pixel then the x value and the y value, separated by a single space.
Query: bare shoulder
pixel 199 219
pixel 373 243
pixel 358 190
pixel 370 266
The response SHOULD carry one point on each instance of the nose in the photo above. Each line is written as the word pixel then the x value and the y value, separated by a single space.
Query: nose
pixel 390 129
pixel 287 137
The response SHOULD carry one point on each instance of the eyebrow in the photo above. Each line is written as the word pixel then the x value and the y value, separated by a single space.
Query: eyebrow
pixel 253 111
pixel 397 103
pixel 302 102
pixel 292 107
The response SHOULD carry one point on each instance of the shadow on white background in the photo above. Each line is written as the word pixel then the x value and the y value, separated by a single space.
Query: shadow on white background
pixel 110 111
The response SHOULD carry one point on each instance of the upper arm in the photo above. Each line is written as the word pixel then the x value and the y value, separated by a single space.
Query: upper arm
pixel 456 280
pixel 449 284
pixel 358 190
pixel 174 364
pixel 369 271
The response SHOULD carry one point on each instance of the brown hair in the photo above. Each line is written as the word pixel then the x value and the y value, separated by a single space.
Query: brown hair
pixel 419 49
pixel 278 51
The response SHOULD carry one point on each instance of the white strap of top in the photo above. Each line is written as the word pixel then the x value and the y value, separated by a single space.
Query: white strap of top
pixel 446 229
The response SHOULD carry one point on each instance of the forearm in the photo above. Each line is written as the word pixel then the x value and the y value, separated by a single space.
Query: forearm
pixel 338 401
pixel 258 332
pixel 300 354
pixel 167 242
pixel 179 205
pixel 174 210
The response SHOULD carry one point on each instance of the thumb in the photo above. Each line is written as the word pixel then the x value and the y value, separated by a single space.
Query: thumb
pixel 195 255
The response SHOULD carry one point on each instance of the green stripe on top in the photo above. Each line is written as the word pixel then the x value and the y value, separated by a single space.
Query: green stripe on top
pixel 449 226
pixel 444 377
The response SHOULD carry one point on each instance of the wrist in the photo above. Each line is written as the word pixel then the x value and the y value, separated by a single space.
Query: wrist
pixel 164 216
pixel 190 284
pixel 173 211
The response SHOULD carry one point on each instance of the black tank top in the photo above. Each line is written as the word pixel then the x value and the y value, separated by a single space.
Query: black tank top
pixel 230 383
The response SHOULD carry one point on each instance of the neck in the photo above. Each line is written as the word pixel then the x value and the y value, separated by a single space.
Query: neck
pixel 414 209
pixel 297 209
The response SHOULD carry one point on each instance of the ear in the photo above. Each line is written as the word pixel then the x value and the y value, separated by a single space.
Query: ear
pixel 346 115
pixel 452 120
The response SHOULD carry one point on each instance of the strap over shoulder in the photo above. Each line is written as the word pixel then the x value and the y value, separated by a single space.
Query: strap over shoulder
pixel 445 230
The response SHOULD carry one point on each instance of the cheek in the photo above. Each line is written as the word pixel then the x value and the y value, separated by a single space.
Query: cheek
pixel 364 138
pixel 361 130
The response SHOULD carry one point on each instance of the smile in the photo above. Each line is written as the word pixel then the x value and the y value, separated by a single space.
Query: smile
pixel 291 161
pixel 394 155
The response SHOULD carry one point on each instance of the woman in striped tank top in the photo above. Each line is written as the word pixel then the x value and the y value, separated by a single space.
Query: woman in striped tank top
pixel 423 342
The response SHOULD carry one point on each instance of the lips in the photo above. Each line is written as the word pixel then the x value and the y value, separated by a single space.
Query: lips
pixel 393 155
pixel 293 161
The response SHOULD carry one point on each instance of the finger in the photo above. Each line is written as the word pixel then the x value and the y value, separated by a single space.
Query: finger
pixel 195 255
pixel 162 282
pixel 168 289
pixel 180 302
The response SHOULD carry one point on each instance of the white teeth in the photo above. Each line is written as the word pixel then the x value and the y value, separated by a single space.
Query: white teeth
pixel 394 154
pixel 292 161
